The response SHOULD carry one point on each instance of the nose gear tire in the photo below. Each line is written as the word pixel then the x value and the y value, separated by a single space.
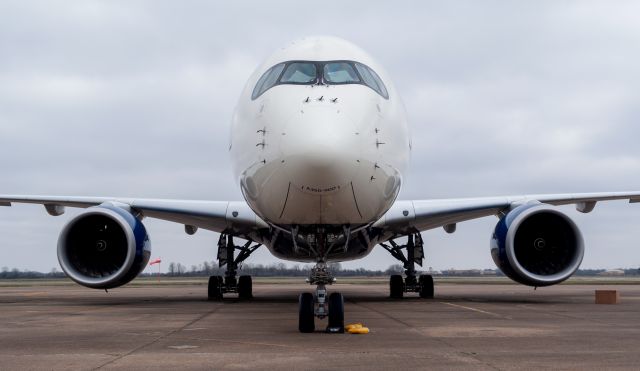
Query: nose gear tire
pixel 306 313
pixel 336 312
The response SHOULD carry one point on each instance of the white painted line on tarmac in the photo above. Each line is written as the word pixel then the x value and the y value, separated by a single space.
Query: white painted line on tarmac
pixel 181 347
pixel 475 310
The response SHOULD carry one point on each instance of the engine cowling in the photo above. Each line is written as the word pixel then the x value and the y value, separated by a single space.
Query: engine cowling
pixel 537 245
pixel 104 247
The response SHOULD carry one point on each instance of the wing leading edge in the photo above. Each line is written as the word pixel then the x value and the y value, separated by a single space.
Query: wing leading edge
pixel 406 217
pixel 217 216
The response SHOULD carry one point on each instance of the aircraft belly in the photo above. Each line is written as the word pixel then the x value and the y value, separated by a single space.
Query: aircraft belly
pixel 282 248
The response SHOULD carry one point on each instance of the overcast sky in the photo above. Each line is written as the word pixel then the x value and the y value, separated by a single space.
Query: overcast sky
pixel 134 98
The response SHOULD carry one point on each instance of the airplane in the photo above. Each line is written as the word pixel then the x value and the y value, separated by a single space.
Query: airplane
pixel 319 146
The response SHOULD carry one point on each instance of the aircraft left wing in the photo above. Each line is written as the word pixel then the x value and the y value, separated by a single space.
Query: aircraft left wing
pixel 217 216
pixel 406 217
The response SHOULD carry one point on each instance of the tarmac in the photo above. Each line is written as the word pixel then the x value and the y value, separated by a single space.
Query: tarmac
pixel 466 326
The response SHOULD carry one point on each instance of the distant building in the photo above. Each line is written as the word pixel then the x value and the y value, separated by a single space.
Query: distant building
pixel 612 273
pixel 469 272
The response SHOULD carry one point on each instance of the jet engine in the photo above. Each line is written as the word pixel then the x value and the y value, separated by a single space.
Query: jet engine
pixel 537 245
pixel 104 247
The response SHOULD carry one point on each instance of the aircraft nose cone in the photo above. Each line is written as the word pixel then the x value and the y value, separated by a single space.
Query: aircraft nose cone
pixel 320 149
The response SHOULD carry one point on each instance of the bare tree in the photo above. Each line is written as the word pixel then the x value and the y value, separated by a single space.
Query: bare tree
pixel 395 269
pixel 206 267
pixel 335 267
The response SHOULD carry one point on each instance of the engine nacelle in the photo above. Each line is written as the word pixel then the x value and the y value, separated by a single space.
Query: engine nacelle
pixel 537 245
pixel 104 247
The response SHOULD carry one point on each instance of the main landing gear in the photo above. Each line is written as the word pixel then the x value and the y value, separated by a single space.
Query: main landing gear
pixel 423 284
pixel 320 306
pixel 219 285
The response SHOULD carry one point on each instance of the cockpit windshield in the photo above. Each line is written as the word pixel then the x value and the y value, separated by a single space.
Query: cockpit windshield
pixel 299 73
pixel 372 80
pixel 268 80
pixel 340 73
pixel 319 73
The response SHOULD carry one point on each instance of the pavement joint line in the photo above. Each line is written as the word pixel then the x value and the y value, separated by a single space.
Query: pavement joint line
pixel 457 351
pixel 386 315
pixel 475 310
pixel 37 293
pixel 246 342
pixel 159 338
pixel 562 315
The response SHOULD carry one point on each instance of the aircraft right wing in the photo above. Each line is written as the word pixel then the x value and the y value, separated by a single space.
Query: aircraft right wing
pixel 407 217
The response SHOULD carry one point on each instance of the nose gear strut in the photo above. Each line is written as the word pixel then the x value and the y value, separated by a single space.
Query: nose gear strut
pixel 319 305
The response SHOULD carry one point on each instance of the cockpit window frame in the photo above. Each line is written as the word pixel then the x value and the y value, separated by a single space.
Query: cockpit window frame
pixel 320 79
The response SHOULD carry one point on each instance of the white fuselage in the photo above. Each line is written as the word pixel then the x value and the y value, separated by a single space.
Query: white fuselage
pixel 319 154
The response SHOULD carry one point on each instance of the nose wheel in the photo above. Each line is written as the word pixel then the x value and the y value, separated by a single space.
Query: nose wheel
pixel 306 318
pixel 318 305
pixel 336 313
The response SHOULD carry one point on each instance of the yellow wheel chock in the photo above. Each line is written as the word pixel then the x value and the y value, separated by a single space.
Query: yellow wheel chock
pixel 356 328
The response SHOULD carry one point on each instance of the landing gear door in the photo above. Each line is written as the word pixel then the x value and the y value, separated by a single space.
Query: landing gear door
pixel 418 254
pixel 222 250
pixel 418 250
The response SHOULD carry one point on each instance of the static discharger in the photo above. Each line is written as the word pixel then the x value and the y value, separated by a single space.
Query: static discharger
pixel 356 328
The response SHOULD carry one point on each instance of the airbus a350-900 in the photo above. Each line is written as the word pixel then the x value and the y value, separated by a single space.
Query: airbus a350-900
pixel 319 146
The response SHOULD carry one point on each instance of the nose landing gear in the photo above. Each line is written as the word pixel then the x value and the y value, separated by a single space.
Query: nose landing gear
pixel 423 284
pixel 318 305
